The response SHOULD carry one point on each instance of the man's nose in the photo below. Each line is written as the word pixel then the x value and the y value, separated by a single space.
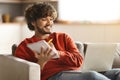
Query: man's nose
pixel 49 22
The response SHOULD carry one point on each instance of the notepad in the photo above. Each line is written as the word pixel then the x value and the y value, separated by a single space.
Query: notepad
pixel 36 46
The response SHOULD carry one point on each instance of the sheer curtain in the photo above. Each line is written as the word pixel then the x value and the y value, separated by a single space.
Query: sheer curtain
pixel 89 10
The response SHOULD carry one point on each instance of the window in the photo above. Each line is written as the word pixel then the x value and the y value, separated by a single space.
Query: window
pixel 89 10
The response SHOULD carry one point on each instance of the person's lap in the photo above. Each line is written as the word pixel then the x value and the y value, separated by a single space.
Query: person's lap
pixel 91 75
pixel 113 74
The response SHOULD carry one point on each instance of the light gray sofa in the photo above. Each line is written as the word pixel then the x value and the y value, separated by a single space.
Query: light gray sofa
pixel 13 68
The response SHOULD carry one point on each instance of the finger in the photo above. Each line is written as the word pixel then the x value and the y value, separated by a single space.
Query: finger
pixel 48 51
pixel 36 54
pixel 42 51
pixel 53 55
pixel 51 45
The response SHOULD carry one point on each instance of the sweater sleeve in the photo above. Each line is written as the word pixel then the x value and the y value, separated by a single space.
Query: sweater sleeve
pixel 24 52
pixel 70 56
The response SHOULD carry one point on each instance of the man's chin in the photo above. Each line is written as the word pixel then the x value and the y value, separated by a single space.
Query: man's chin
pixel 47 32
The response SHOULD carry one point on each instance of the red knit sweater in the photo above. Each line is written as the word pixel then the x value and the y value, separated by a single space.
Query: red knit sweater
pixel 70 58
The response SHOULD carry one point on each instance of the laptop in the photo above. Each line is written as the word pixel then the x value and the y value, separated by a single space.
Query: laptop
pixel 99 57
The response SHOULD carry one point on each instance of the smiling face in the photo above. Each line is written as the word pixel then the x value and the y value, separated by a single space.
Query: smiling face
pixel 40 17
pixel 43 25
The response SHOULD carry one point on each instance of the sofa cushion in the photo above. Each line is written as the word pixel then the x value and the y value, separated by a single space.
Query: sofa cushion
pixel 116 62
pixel 80 47
pixel 14 47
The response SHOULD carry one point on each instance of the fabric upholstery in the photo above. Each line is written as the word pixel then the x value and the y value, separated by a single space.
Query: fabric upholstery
pixel 116 62
pixel 12 68
pixel 80 47
pixel 14 46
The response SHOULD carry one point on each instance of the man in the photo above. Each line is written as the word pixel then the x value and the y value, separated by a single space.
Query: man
pixel 40 18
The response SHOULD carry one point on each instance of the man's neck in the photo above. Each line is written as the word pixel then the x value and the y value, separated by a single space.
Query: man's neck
pixel 42 36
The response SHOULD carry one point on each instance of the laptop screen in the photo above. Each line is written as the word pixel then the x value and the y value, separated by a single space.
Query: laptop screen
pixel 99 56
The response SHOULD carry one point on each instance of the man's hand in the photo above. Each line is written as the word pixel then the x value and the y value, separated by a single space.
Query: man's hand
pixel 53 48
pixel 43 56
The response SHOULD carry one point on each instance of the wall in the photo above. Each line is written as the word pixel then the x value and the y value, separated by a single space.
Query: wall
pixel 14 33
pixel 91 33
pixel 9 34
pixel 85 33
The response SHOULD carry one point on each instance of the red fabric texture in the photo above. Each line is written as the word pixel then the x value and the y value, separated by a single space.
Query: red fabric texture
pixel 70 58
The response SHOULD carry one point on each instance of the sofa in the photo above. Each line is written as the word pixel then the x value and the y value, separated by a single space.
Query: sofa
pixel 13 68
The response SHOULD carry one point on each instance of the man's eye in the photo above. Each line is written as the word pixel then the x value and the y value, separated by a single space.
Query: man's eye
pixel 43 19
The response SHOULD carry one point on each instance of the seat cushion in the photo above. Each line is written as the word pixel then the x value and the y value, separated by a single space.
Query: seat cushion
pixel 116 62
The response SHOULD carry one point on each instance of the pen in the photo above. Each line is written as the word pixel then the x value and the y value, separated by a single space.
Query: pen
pixel 50 41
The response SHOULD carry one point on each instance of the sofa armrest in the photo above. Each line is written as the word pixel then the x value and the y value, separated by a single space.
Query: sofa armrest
pixel 13 68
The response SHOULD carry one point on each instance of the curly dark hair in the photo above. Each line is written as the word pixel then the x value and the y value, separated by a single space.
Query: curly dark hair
pixel 37 11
